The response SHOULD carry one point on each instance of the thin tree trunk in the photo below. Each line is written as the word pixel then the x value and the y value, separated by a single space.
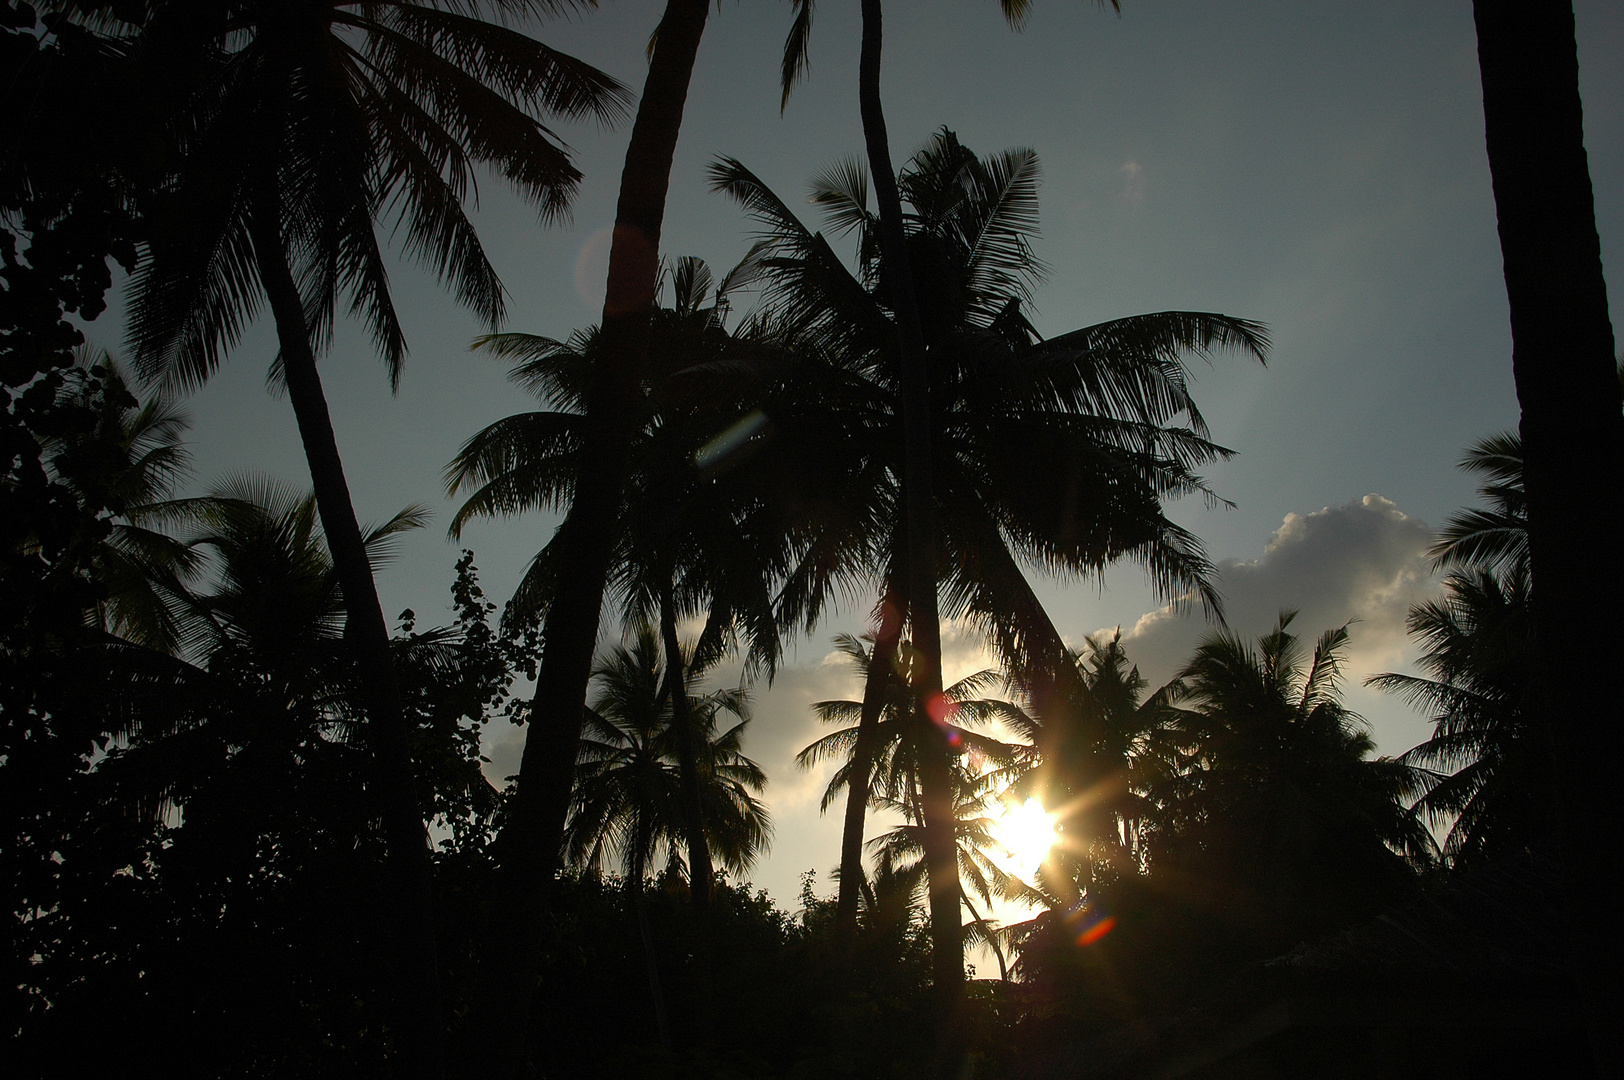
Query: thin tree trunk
pixel 640 905
pixel 527 852
pixel 421 1034
pixel 881 673
pixel 947 948
pixel 700 869
pixel 1573 447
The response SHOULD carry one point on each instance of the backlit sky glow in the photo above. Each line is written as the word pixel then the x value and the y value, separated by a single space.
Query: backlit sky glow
pixel 1313 165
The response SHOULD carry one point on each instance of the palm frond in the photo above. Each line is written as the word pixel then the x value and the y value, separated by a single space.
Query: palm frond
pixel 797 55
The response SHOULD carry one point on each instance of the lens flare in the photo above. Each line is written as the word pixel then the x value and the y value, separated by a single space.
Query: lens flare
pixel 714 454
pixel 941 710
pixel 1087 921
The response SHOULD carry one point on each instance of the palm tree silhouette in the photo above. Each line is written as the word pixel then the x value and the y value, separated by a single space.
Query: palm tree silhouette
pixel 308 123
pixel 131 458
pixel 629 798
pixel 1106 408
pixel 918 579
pixel 529 844
pixel 249 751
pixel 697 533
pixel 894 769
pixel 901 852
pixel 1562 352
pixel 1485 684
pixel 689 541
pixel 1488 748
pixel 901 740
pixel 260 701
pixel 1097 788
pixel 1278 795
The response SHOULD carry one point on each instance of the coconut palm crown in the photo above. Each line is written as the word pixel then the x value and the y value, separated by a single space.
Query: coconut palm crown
pixel 1053 453
pixel 311 124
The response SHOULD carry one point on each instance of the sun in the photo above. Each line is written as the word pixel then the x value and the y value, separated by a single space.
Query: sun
pixel 1026 833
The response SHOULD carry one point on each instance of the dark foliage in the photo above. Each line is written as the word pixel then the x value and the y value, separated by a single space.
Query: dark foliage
pixel 204 889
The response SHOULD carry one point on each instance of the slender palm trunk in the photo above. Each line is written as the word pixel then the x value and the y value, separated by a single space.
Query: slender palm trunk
pixel 528 850
pixel 640 905
pixel 947 947
pixel 700 870
pixel 1573 446
pixel 421 1034
pixel 881 672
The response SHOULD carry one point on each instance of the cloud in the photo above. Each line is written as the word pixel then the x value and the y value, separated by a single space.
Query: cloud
pixel 1363 562
pixel 1133 184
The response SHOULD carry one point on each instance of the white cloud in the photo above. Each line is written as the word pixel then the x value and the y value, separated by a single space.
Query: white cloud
pixel 1363 562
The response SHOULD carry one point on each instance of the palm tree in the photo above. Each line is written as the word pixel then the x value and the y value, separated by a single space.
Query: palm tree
pixel 309 122
pixel 247 752
pixel 1106 406
pixel 918 578
pixel 695 535
pixel 1278 795
pixel 630 798
pixel 901 851
pixel 1099 788
pixel 131 458
pixel 626 792
pixel 902 740
pixel 1562 352
pixel 530 843
pixel 627 798
pixel 895 767
pixel 1484 689
pixel 1488 746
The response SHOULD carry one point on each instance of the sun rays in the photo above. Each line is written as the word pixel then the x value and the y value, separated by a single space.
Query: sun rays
pixel 1026 833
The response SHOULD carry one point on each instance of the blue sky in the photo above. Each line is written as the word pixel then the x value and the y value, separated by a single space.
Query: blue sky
pixel 1314 165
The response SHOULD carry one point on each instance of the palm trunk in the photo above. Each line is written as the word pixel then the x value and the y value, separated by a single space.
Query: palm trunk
pixel 421 1034
pixel 528 849
pixel 881 672
pixel 700 869
pixel 640 905
pixel 947 948
pixel 1573 446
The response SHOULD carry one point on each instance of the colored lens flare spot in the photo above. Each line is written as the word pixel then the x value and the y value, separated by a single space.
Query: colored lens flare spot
pixel 1088 922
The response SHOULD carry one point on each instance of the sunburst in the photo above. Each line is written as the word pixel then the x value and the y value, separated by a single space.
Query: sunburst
pixel 1026 833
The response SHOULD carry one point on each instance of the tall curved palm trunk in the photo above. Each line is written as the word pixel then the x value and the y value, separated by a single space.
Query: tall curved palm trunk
pixel 1573 445
pixel 421 1036
pixel 936 779
pixel 881 668
pixel 528 849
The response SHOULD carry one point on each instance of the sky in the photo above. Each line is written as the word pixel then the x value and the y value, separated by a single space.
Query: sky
pixel 1317 166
